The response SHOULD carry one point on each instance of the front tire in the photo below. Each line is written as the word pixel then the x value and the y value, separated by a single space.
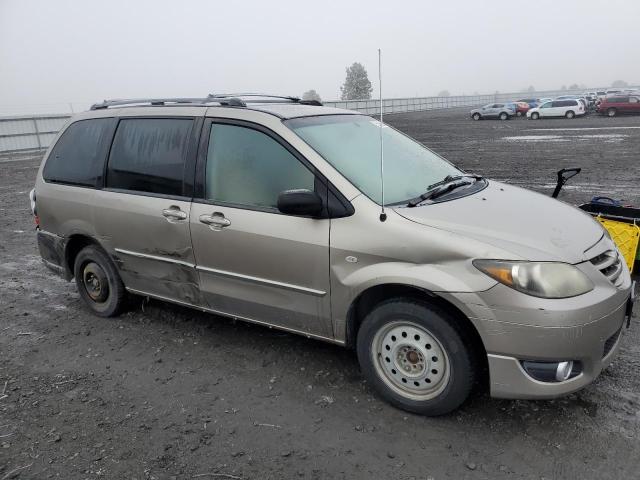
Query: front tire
pixel 612 112
pixel 416 356
pixel 570 114
pixel 504 116
pixel 476 116
pixel 98 282
pixel 535 116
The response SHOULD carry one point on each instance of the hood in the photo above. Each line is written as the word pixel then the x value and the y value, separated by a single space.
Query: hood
pixel 526 224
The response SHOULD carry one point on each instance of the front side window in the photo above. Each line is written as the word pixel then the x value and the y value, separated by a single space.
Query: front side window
pixel 549 105
pixel 634 100
pixel 149 154
pixel 249 168
pixel 351 143
pixel 78 156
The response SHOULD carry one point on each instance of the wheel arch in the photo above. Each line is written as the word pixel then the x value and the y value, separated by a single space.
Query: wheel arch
pixel 376 294
pixel 75 243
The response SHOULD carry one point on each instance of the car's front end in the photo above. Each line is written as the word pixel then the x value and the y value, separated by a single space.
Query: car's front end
pixel 543 348
pixel 553 319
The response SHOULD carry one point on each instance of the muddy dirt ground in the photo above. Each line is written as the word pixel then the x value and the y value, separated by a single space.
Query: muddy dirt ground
pixel 164 392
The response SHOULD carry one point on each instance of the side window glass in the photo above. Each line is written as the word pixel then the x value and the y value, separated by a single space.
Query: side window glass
pixel 148 155
pixel 78 156
pixel 634 100
pixel 248 167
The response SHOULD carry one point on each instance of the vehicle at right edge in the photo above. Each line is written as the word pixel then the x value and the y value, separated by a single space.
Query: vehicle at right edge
pixel 619 105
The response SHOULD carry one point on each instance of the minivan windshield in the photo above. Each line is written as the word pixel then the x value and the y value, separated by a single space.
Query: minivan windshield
pixel 351 144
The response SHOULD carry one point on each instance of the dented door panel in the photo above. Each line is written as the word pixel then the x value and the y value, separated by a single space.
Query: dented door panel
pixel 152 251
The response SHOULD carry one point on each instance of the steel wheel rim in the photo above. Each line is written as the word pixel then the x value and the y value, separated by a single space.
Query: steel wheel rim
pixel 95 282
pixel 420 362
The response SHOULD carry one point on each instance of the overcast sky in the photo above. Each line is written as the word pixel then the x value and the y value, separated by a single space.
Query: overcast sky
pixel 59 51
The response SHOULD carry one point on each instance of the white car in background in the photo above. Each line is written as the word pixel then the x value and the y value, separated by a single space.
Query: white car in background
pixel 568 108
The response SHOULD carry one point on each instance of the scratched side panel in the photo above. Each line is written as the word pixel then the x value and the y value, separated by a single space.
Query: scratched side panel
pixel 134 224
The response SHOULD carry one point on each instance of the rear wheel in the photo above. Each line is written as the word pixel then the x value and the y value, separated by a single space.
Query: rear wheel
pixel 476 116
pixel 612 112
pixel 98 282
pixel 535 116
pixel 416 356
pixel 504 116
pixel 570 114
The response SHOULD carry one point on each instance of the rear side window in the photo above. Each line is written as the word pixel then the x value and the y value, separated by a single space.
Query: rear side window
pixel 617 100
pixel 149 154
pixel 78 156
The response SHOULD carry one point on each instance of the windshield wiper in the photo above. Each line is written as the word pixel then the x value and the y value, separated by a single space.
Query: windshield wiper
pixel 445 185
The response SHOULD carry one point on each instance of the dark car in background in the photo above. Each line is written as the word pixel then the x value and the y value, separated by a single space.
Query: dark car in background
pixel 619 104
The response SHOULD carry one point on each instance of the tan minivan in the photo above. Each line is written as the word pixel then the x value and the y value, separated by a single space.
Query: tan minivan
pixel 268 209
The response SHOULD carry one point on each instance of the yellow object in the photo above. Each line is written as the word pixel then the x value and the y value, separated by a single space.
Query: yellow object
pixel 626 236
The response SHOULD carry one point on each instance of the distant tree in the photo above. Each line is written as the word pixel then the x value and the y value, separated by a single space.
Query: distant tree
pixel 574 86
pixel 311 95
pixel 531 89
pixel 444 93
pixel 619 84
pixel 357 85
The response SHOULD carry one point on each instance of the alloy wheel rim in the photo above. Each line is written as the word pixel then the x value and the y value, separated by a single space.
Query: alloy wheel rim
pixel 411 360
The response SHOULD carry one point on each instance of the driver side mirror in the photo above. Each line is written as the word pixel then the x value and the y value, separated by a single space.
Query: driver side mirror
pixel 300 202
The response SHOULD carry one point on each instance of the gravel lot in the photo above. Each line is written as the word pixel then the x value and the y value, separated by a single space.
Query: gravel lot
pixel 164 392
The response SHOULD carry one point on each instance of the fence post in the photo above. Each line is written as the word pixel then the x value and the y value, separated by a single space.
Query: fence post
pixel 35 127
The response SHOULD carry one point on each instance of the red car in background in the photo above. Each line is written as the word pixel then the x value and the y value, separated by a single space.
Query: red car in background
pixel 619 104
pixel 522 108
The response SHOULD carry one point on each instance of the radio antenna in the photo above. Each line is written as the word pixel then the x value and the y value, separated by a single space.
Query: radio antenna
pixel 383 215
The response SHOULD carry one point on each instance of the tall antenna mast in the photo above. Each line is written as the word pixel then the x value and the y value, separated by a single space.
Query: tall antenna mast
pixel 383 215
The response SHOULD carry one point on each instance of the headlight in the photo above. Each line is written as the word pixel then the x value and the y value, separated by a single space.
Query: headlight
pixel 539 279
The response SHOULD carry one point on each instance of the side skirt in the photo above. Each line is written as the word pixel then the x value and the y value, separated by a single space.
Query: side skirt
pixel 237 317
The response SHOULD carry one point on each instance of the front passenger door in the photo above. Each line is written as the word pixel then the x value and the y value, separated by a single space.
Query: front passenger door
pixel 253 261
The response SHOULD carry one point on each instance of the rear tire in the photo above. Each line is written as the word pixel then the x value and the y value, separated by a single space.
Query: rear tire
pixel 504 116
pixel 416 356
pixel 570 114
pixel 535 116
pixel 476 116
pixel 98 282
pixel 612 112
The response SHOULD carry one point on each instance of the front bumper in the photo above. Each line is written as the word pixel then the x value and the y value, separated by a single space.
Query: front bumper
pixel 516 327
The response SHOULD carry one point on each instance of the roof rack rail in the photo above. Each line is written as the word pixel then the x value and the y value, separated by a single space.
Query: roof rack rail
pixel 264 98
pixel 225 99
pixel 148 101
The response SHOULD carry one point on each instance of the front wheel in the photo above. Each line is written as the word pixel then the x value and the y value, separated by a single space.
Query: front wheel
pixel 612 112
pixel 504 116
pixel 98 282
pixel 415 356
pixel 570 114
pixel 476 116
pixel 535 116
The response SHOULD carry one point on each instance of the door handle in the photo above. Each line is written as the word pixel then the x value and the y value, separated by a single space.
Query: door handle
pixel 174 213
pixel 216 221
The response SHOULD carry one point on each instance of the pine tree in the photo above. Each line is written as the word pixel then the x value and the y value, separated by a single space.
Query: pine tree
pixel 357 85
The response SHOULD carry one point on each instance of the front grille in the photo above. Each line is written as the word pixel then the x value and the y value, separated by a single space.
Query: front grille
pixel 611 341
pixel 610 265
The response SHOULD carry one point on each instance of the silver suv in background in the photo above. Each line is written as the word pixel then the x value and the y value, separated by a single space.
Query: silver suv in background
pixel 271 211
pixel 493 110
